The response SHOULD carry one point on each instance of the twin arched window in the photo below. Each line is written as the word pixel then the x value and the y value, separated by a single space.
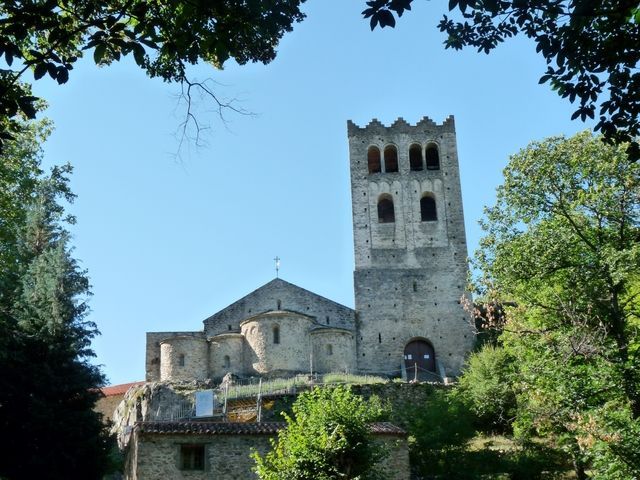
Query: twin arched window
pixel 416 162
pixel 386 210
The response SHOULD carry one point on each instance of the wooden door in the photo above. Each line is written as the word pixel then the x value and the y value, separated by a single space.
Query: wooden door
pixel 419 352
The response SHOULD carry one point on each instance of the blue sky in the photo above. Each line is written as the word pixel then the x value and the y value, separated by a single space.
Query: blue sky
pixel 171 235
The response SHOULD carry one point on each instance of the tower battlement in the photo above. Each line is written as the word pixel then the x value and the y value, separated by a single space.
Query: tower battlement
pixel 400 125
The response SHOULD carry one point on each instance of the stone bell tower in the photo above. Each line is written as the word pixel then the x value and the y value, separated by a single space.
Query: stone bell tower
pixel 410 249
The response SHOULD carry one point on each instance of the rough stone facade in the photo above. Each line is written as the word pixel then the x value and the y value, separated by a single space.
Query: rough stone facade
pixel 410 271
pixel 156 454
pixel 409 280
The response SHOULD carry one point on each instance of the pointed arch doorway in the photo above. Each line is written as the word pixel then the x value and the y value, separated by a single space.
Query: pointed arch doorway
pixel 419 353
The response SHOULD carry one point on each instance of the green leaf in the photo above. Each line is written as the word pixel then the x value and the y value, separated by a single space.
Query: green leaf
pixel 99 52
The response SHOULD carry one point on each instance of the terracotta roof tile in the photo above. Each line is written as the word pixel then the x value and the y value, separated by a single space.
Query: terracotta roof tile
pixel 121 389
pixel 226 428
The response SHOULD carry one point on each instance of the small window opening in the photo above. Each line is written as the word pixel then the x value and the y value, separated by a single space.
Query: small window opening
pixel 379 338
pixel 276 334
pixel 433 157
pixel 328 321
pixel 415 158
pixel 181 360
pixel 228 327
pixel 386 212
pixel 329 349
pixel 415 286
pixel 373 159
pixel 279 303
pixel 428 212
pixel 192 457
pixel 390 159
pixel 227 361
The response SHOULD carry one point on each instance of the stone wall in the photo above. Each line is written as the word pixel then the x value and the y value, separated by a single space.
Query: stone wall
pixel 410 274
pixel 184 358
pixel 226 355
pixel 157 457
pixel 333 350
pixel 152 359
pixel 290 354
pixel 227 457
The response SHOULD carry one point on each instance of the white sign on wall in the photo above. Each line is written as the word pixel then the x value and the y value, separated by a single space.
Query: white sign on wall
pixel 204 403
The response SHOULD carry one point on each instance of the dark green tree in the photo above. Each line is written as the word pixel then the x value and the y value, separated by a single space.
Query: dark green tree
pixel 47 37
pixel 327 438
pixel 591 48
pixel 48 387
pixel 562 246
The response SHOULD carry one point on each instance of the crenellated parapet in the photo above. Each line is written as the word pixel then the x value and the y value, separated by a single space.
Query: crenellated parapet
pixel 400 125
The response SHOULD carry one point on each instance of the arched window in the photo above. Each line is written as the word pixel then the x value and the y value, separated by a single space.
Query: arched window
pixel 433 157
pixel 181 360
pixel 415 158
pixel 276 334
pixel 428 212
pixel 279 304
pixel 329 349
pixel 373 158
pixel 386 212
pixel 390 159
pixel 227 361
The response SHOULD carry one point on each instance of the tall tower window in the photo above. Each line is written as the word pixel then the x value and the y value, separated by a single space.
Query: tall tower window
pixel 181 360
pixel 373 159
pixel 276 334
pixel 390 158
pixel 227 361
pixel 428 212
pixel 415 158
pixel 386 212
pixel 433 157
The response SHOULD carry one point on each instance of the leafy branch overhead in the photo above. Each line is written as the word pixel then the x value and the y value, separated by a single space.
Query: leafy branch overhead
pixel 47 37
pixel 591 48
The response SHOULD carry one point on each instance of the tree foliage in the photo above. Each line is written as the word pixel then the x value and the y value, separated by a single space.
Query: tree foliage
pixel 48 387
pixel 590 46
pixel 562 245
pixel 47 37
pixel 487 387
pixel 327 438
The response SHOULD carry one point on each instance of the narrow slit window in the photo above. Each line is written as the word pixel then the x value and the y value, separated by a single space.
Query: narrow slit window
pixel 379 338
pixel 276 334
pixel 428 211
pixel 373 159
pixel 181 360
pixel 433 157
pixel 386 211
pixel 329 349
pixel 390 159
pixel 227 361
pixel 415 158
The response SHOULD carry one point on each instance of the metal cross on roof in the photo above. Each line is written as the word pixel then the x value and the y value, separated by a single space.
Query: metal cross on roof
pixel 277 260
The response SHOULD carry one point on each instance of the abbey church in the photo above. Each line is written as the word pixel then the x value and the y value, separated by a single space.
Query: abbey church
pixel 409 280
